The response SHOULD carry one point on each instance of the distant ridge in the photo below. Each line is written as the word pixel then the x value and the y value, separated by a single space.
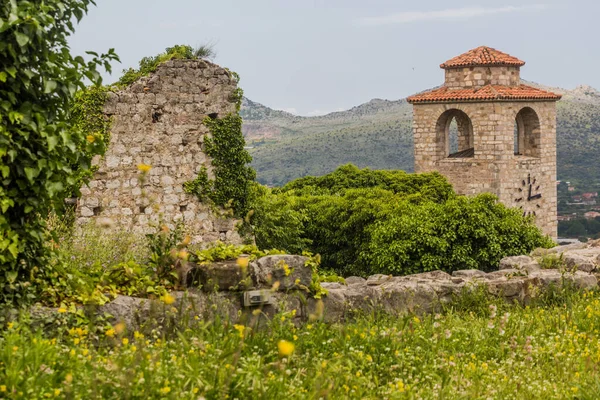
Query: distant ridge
pixel 378 134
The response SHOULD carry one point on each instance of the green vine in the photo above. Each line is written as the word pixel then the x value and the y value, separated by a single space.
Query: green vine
pixel 232 176
pixel 87 116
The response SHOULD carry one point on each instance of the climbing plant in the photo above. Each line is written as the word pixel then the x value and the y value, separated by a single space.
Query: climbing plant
pixel 232 174
pixel 87 116
pixel 38 144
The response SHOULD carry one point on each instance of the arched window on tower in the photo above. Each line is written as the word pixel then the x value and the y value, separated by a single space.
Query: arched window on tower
pixel 455 135
pixel 527 133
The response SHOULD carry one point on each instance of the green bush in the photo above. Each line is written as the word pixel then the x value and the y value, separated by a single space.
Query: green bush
pixel 38 145
pixel 364 222
pixel 148 65
pixel 462 233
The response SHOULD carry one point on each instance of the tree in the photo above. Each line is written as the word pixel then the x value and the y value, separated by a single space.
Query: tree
pixel 38 146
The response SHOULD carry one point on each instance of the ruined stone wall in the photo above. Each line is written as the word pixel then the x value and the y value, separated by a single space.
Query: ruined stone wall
pixel 494 167
pixel 481 76
pixel 158 121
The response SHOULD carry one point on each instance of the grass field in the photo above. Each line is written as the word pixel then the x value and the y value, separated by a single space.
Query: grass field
pixel 478 348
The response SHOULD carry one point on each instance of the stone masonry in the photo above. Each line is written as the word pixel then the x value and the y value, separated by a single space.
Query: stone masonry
pixel 158 121
pixel 506 133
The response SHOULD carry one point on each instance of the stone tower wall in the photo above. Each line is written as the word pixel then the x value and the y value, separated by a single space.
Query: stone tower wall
pixel 494 167
pixel 158 121
pixel 481 76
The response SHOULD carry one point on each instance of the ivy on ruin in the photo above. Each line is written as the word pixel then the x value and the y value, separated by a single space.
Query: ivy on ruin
pixel 233 178
pixel 87 116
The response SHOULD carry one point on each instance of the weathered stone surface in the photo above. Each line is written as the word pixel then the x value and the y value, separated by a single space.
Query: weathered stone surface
pixel 519 262
pixel 582 280
pixel 290 271
pixel 558 249
pixel 157 121
pixel 469 273
pixel 225 275
pixel 129 310
pixel 355 280
pixel 378 279
pixel 579 262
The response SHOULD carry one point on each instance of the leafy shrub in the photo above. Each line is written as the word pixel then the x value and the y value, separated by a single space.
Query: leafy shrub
pixel 462 233
pixel 364 222
pixel 148 65
pixel 38 146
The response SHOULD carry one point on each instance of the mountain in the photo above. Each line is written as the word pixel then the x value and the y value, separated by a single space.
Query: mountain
pixel 378 134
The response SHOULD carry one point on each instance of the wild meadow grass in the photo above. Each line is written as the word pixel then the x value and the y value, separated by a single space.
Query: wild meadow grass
pixel 476 348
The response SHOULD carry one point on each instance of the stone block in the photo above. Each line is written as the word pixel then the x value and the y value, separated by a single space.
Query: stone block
pixel 225 275
pixel 288 270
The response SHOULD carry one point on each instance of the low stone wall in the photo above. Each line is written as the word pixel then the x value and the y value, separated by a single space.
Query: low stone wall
pixel 285 280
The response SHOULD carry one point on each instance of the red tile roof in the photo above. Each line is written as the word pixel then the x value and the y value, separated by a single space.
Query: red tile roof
pixel 485 93
pixel 482 56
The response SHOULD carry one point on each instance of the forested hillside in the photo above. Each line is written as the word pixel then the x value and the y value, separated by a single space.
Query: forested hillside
pixel 378 134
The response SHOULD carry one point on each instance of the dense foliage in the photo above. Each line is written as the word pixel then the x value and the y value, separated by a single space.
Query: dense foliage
pixel 87 116
pixel 233 177
pixel 38 145
pixel 476 348
pixel 583 228
pixel 364 222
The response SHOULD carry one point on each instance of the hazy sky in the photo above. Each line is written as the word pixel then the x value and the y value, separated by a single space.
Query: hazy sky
pixel 315 56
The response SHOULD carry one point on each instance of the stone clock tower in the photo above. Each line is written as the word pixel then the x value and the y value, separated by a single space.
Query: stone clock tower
pixel 486 132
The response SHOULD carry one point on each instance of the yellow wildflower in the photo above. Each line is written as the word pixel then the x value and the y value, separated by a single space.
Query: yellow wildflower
pixel 2 388
pixel 144 167
pixel 285 348
pixel 256 312
pixel 15 348
pixel 56 392
pixel 62 310
pixel 165 390
pixel 240 329
pixel 168 299
pixel 138 335
pixel 242 262
pixel 110 332
pixel 69 378
pixel 125 341
pixel 91 138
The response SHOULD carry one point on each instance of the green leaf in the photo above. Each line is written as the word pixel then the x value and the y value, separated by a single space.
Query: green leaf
pixel 12 71
pixel 11 276
pixel 3 76
pixel 49 86
pixel 31 173
pixel 52 142
pixel 22 39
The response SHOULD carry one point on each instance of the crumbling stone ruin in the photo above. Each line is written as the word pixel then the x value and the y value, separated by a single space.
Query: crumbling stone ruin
pixel 506 133
pixel 158 122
